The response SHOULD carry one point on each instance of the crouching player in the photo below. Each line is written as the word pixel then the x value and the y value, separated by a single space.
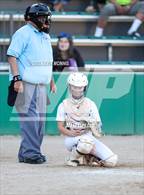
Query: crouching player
pixel 78 119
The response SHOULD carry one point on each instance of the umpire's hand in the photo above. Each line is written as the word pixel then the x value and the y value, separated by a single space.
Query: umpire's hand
pixel 18 86
pixel 53 87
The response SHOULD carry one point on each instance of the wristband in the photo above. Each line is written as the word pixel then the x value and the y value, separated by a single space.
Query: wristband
pixel 17 78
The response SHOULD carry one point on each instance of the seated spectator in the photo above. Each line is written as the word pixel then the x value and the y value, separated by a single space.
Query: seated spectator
pixel 48 2
pixel 122 7
pixel 58 5
pixel 66 56
pixel 95 5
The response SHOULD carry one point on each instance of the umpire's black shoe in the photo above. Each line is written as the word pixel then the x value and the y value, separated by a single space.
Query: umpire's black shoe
pixel 44 158
pixel 32 161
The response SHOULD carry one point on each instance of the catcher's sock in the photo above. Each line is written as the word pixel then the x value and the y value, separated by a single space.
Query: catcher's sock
pixel 134 27
pixel 72 163
pixel 98 32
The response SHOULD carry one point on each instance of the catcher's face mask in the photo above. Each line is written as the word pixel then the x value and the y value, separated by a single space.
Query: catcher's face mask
pixel 76 92
pixel 44 23
pixel 40 15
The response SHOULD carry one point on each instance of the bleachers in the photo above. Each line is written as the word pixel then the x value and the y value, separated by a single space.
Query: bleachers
pixel 108 48
pixel 77 23
pixel 117 50
pixel 20 5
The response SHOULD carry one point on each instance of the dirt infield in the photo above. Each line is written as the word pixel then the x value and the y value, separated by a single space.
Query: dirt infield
pixel 54 178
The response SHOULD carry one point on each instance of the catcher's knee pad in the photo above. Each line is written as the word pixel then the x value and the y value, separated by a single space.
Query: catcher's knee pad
pixel 85 145
pixel 111 161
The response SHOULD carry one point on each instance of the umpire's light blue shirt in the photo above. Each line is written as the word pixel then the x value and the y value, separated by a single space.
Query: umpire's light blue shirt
pixel 33 52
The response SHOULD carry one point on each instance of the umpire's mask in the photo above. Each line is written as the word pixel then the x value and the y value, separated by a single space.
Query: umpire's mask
pixel 40 15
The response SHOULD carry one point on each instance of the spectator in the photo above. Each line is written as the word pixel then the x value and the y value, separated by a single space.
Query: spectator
pixel 95 5
pixel 48 2
pixel 58 5
pixel 122 7
pixel 30 58
pixel 66 57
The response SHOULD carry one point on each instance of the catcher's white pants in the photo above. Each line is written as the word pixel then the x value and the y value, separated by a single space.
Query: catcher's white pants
pixel 101 150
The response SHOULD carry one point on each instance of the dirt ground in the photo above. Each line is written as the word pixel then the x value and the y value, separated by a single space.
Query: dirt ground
pixel 55 178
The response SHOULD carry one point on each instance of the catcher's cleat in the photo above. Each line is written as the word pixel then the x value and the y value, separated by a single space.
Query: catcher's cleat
pixel 72 163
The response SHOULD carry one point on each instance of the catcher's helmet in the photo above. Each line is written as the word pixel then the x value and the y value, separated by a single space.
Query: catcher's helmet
pixel 39 14
pixel 77 79
pixel 77 86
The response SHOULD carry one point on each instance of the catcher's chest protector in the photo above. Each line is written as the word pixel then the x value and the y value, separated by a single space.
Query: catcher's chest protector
pixel 76 115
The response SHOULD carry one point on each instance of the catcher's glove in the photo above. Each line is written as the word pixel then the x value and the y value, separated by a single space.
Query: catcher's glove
pixel 95 128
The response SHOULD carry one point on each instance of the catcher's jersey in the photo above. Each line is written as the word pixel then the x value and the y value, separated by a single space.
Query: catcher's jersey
pixel 77 116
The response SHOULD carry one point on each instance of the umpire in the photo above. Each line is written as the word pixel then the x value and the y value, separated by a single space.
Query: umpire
pixel 30 58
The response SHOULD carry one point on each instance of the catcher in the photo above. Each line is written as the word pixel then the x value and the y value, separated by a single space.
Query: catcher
pixel 78 119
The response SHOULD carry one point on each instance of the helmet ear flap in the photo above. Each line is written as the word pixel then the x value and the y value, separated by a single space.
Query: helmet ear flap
pixel 26 15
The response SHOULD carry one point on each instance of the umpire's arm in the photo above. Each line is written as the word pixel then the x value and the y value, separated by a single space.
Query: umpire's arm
pixel 18 86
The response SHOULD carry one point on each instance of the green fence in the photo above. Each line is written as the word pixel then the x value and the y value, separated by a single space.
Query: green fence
pixel 119 97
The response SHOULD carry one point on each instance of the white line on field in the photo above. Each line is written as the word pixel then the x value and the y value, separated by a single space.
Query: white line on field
pixel 124 172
